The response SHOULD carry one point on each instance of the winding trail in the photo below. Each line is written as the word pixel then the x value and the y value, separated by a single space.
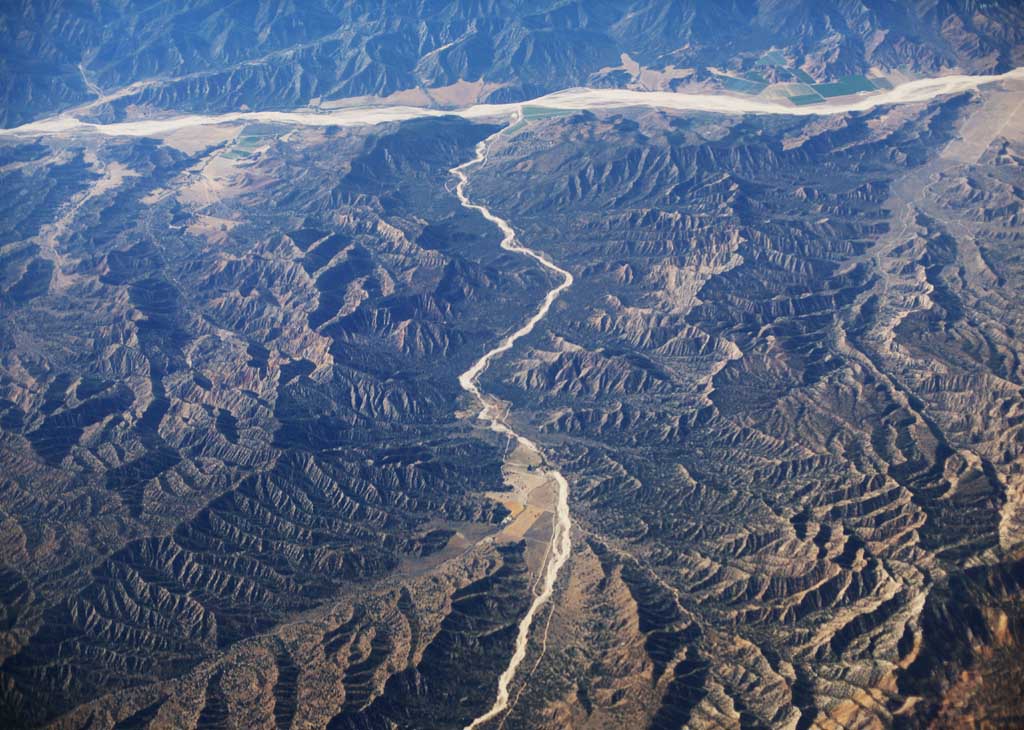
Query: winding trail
pixel 561 543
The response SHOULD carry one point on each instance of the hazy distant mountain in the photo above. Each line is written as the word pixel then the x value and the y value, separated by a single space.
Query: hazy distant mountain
pixel 205 55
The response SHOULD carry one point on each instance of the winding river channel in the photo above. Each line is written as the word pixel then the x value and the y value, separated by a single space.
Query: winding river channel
pixel 917 90
pixel 561 544
pixel 920 90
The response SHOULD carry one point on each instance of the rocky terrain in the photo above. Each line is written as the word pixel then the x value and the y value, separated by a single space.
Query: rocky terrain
pixel 241 485
pixel 786 391
pixel 113 60
pixel 227 400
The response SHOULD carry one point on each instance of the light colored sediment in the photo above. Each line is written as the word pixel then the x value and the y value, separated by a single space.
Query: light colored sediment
pixel 526 452
pixel 919 90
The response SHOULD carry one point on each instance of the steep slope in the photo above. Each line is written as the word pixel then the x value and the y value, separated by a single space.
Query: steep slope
pixel 785 392
pixel 230 374
pixel 243 485
pixel 205 55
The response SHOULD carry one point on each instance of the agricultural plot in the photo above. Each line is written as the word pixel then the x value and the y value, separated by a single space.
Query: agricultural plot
pixel 805 99
pixel 801 75
pixel 539 112
pixel 799 94
pixel 514 128
pixel 796 84
pixel 772 58
pixel 845 85
pixel 742 86
pixel 786 70
pixel 247 143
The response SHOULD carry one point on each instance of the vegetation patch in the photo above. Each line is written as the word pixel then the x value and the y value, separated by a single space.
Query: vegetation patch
pixel 742 86
pixel 540 112
pixel 787 72
pixel 845 85
pixel 772 58
pixel 802 75
pixel 512 129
